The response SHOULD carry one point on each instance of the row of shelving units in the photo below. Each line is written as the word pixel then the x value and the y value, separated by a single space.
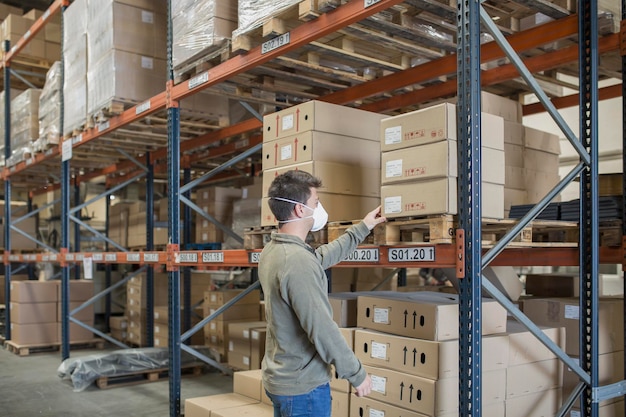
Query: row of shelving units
pixel 138 110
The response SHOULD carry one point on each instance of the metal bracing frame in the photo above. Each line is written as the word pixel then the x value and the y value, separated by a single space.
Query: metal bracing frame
pixel 624 173
pixel 149 246
pixel 7 189
pixel 469 207
pixel 31 213
pixel 187 308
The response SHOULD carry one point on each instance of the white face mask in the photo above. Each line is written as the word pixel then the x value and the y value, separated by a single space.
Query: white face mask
pixel 319 216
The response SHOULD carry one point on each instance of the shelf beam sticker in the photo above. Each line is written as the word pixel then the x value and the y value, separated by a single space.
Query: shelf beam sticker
pixel 275 43
pixel 253 257
pixel 186 257
pixel 363 255
pixel 198 80
pixel 133 257
pixel 151 257
pixel 88 268
pixel 212 257
pixel 416 254
pixel 368 3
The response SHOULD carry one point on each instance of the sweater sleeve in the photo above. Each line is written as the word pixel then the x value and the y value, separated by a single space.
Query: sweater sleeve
pixel 334 252
pixel 307 294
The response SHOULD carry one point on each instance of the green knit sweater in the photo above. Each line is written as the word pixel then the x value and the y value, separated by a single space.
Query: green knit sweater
pixel 302 338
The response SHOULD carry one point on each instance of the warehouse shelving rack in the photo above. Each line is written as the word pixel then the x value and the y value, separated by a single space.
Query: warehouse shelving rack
pixel 466 255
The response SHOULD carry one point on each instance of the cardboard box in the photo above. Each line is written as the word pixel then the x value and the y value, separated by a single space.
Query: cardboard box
pixel 35 333
pixel 437 196
pixel 339 207
pixel 257 347
pixel 365 407
pixel 202 406
pixel 533 377
pixel 18 241
pixel 324 117
pixel 525 348
pixel 434 124
pixel 118 322
pixel 565 312
pixel 80 290
pixel 544 403
pixel 340 405
pixel 428 396
pixel 253 410
pixel 610 370
pixel 344 306
pixel 320 146
pixel 14 277
pixel 30 313
pixel 250 384
pixel 77 332
pixel 235 312
pixel 424 358
pixel 239 360
pixel 34 292
pixel 85 315
pixel 553 285
pixel 541 161
pixel 509 110
pixel 436 160
pixel 239 335
pixel 337 178
pixel 431 316
pixel 505 279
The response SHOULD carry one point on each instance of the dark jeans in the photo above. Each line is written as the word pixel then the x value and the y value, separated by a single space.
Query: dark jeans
pixel 316 403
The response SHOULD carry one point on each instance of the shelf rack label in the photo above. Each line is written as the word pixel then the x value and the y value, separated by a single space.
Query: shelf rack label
pixel 363 255
pixel 212 257
pixel 80 257
pixel 27 34
pixel 368 3
pixel 69 257
pixel 110 257
pixel 253 257
pixel 275 43
pixel 103 126
pixel 66 150
pixel 186 257
pixel 418 254
pixel 46 15
pixel 133 257
pixel 97 257
pixel 145 106
pixel 53 257
pixel 198 80
pixel 151 257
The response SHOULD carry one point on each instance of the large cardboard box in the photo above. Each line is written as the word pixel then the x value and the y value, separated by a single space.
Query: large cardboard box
pixel 257 347
pixel 337 178
pixel 436 196
pixel 610 370
pixel 337 384
pixel 221 297
pixel 239 335
pixel 202 406
pixel 339 207
pixel 35 334
pixel 533 377
pixel 324 117
pixel 86 314
pixel 320 146
pixel 29 313
pixel 18 241
pixel 340 406
pixel 80 290
pixel 434 124
pixel 424 358
pixel 565 312
pixel 509 110
pixel 424 315
pixel 252 410
pixel 525 348
pixel 250 384
pixel 344 306
pixel 543 403
pixel 235 312
pixel 18 277
pixel 430 397
pixel 34 291
pixel 366 407
pixel 77 332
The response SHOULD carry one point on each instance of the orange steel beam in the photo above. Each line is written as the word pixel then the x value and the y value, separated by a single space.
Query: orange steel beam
pixel 490 77
pixel 605 93
pixel 34 30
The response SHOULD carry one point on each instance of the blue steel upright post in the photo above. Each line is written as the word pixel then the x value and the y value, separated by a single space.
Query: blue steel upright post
pixel 187 271
pixel 7 190
pixel 77 202
pixel 173 225
pixel 149 246
pixel 469 207
pixel 624 174
pixel 589 201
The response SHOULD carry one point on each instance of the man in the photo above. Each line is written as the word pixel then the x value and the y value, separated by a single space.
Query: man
pixel 302 339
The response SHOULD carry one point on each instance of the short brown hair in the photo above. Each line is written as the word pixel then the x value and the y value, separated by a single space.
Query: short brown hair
pixel 292 185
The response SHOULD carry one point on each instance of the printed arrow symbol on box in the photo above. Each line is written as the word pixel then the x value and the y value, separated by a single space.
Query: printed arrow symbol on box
pixel 296 152
pixel 405 350
pixel 406 315
pixel 277 120
pixel 411 396
pixel 297 120
pixel 276 154
pixel 414 320
pixel 401 390
pixel 414 357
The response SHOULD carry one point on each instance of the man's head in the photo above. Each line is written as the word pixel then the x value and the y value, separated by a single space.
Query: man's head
pixel 293 185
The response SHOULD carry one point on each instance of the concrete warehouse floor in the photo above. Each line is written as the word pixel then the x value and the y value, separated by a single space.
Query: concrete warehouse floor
pixel 30 387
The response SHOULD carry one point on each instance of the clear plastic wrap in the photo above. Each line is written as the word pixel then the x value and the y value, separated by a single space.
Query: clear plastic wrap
pixel 121 26
pixel 50 108
pixel 75 108
pixel 253 13
pixel 125 77
pixel 84 371
pixel 199 26
pixel 246 213
pixel 25 118
pixel 75 63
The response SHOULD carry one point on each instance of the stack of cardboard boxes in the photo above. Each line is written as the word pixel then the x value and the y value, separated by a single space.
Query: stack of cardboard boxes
pixel 566 312
pixel 119 327
pixel 246 344
pixel 50 109
pixel 337 144
pixel 216 334
pixel 25 124
pixel 36 313
pixel 419 163
pixel 75 67
pixel 136 304
pixel 44 46
pixel 218 203
pixel 161 326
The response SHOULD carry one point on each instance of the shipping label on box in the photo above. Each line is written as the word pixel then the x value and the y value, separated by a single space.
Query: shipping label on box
pixel 321 146
pixel 321 116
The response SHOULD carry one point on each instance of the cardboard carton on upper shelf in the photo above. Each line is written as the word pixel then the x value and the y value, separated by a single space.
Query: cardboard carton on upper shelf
pixel 324 117
pixel 429 315
pixel 314 145
pixel 5 10
pixel 34 292
pixel 554 285
pixel 437 196
pixel 509 110
pixel 434 124
pixel 337 178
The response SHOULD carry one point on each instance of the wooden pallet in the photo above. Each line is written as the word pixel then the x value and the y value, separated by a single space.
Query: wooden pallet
pixel 25 350
pixel 203 61
pixel 336 229
pixel 433 229
pixel 258 236
pixel 110 109
pixel 610 233
pixel 145 376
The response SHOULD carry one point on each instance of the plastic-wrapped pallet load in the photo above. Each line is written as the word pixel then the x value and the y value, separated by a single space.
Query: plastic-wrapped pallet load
pixel 199 27
pixel 75 63
pixel 125 53
pixel 253 13
pixel 24 124
pixel 50 108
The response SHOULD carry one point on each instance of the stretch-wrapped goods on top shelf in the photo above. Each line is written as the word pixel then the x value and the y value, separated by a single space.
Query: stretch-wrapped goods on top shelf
pixel 253 13
pixel 50 107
